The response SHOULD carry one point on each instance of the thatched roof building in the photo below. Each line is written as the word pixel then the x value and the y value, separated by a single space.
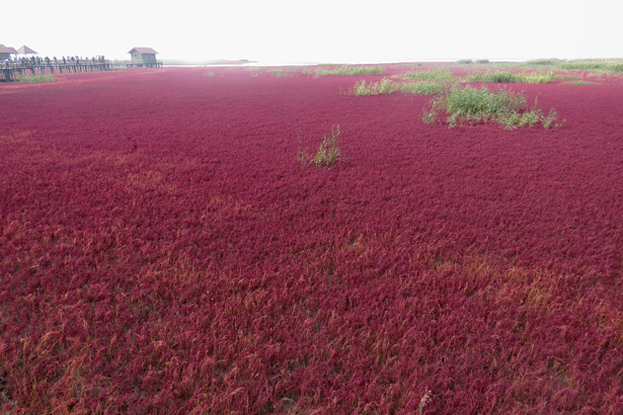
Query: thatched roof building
pixel 25 50
pixel 6 52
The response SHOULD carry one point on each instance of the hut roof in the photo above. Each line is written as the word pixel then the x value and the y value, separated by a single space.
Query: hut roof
pixel 143 50
pixel 5 49
pixel 25 50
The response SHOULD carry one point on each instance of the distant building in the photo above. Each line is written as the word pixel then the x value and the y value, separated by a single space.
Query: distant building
pixel 6 52
pixel 143 57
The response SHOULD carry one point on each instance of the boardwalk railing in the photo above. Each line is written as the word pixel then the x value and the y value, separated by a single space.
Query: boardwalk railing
pixel 12 70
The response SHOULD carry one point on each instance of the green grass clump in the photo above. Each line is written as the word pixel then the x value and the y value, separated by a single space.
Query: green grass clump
pixel 510 77
pixel 208 74
pixel 494 77
pixel 470 102
pixel 538 77
pixel 482 61
pixel 329 151
pixel 430 75
pixel 351 70
pixel 465 61
pixel 471 105
pixel 35 79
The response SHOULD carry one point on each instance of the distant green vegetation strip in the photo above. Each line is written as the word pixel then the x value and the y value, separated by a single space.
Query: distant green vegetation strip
pixel 489 76
pixel 614 65
pixel 437 81
pixel 347 70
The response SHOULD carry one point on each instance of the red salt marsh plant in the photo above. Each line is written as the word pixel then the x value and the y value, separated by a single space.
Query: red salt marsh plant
pixel 163 252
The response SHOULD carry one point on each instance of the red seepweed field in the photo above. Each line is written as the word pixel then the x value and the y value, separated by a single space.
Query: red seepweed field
pixel 163 250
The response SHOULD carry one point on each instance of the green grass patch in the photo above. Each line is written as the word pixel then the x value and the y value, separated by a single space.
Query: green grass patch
pixel 35 79
pixel 493 77
pixel 473 106
pixel 387 86
pixel 430 75
pixel 510 77
pixel 465 61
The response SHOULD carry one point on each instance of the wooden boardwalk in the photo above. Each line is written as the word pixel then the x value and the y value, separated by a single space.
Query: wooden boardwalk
pixel 12 70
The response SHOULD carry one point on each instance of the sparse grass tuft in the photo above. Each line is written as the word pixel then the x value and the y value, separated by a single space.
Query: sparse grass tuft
pixel 35 79
pixel 551 118
pixel 424 401
pixel 208 74
pixel 429 117
pixel 384 86
pixel 329 151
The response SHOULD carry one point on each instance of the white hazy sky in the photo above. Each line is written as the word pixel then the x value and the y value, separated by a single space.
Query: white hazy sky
pixel 290 31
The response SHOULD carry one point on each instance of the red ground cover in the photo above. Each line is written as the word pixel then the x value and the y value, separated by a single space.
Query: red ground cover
pixel 163 251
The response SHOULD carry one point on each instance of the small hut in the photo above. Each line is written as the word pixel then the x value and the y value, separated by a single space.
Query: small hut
pixel 6 52
pixel 143 56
